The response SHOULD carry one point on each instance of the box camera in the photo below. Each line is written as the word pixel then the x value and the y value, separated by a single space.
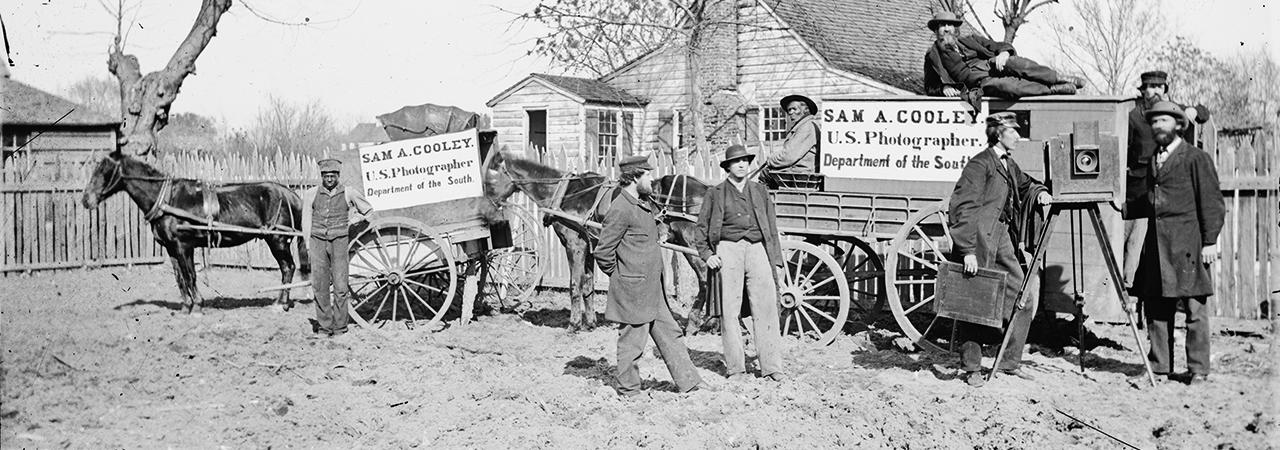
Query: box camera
pixel 1084 166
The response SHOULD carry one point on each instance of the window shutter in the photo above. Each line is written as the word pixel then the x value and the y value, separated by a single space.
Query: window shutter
pixel 752 128
pixel 666 129
pixel 626 133
pixel 592 133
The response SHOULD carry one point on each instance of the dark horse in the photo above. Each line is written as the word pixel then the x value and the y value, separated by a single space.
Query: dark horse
pixel 264 206
pixel 585 196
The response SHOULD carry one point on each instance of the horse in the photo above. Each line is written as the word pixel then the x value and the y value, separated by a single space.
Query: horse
pixel 678 199
pixel 170 202
pixel 586 196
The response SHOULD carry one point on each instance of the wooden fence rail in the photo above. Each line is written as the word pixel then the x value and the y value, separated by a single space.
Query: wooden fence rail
pixel 1246 279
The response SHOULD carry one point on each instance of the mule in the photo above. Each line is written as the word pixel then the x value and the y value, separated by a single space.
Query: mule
pixel 262 205
pixel 678 199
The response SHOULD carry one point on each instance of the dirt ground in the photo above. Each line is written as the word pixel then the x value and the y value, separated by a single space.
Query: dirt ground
pixel 101 358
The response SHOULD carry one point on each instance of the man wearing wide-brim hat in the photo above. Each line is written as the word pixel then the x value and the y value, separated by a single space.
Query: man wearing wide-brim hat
pixel 1186 215
pixel 799 152
pixel 329 210
pixel 987 209
pixel 1154 88
pixel 973 65
pixel 742 242
pixel 628 252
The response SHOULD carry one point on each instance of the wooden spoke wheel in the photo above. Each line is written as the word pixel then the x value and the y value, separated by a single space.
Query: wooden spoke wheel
pixel 863 269
pixel 814 295
pixel 514 272
pixel 911 270
pixel 401 272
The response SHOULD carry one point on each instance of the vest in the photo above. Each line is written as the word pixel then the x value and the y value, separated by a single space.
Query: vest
pixel 329 214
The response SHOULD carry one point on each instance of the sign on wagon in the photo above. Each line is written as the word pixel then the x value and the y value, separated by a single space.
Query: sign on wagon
pixel 899 140
pixel 418 171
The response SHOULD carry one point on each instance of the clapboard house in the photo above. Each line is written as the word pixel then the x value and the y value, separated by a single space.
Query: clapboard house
pixel 50 129
pixel 813 47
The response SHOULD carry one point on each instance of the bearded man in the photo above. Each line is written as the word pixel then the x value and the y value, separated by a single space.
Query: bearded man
pixel 974 65
pixel 1186 215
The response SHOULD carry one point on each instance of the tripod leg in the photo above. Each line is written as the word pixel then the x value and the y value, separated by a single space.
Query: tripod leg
pixel 1041 246
pixel 1118 281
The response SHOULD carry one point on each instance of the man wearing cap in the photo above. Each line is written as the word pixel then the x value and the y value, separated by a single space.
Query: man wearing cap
pixel 974 65
pixel 628 252
pixel 1186 214
pixel 986 208
pixel 799 151
pixel 1142 147
pixel 334 208
pixel 741 232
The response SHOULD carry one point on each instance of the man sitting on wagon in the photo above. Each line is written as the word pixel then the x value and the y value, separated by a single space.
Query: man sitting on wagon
pixel 800 148
pixel 972 66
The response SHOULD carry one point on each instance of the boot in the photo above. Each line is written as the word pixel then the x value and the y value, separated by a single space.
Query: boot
pixel 1062 89
pixel 973 97
pixel 1073 80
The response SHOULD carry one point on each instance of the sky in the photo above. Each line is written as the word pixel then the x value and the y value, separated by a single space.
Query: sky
pixel 361 58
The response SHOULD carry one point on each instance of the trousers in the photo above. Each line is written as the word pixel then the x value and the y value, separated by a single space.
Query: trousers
pixel 1019 323
pixel 329 268
pixel 1160 312
pixel 666 335
pixel 747 263
pixel 1021 77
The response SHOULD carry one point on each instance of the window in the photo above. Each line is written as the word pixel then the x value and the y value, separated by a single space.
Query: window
pixel 13 140
pixel 607 143
pixel 775 124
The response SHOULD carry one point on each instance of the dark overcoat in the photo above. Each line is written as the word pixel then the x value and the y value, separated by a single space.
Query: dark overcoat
pixel 1141 149
pixel 1187 214
pixel 711 219
pixel 628 252
pixel 977 212
pixel 942 69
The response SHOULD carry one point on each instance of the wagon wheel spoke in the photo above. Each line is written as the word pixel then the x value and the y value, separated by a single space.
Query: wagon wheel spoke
pixel 808 276
pixel 408 307
pixel 424 286
pixel 786 323
pixel 360 254
pixel 809 319
pixel 923 261
pixel 816 286
pixel 818 311
pixel 916 306
pixel 424 302
pixel 366 298
pixel 927 241
pixel 382 253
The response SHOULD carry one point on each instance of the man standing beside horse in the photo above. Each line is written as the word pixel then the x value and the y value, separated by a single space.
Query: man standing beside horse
pixel 741 231
pixel 628 252
pixel 333 209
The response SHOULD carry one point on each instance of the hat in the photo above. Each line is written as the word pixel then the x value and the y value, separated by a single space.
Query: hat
pixel 943 18
pixel 1155 77
pixel 734 153
pixel 329 165
pixel 1005 118
pixel 1166 108
pixel 634 162
pixel 813 107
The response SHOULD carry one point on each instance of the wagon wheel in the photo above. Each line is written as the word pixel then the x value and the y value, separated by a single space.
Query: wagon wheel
pixel 400 271
pixel 814 294
pixel 863 269
pixel 514 272
pixel 911 267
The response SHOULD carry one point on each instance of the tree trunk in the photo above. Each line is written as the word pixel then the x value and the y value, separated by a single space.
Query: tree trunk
pixel 145 100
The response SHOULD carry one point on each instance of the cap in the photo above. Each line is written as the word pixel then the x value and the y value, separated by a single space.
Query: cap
pixel 329 165
pixel 1155 77
pixel 634 162
pixel 1004 118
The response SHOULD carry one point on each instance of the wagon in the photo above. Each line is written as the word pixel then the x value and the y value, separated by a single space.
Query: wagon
pixel 871 227
pixel 433 238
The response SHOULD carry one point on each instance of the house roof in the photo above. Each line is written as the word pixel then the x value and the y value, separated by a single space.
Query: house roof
pixel 26 105
pixel 582 90
pixel 367 132
pixel 884 41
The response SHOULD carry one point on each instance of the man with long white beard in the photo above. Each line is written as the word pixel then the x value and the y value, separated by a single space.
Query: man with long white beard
pixel 1185 215
pixel 974 65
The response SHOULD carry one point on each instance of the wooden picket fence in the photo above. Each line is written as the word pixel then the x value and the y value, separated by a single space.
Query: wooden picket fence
pixel 44 226
pixel 1248 276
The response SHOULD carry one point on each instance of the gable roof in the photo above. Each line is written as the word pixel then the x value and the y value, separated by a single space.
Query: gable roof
pixel 884 41
pixel 582 90
pixel 366 132
pixel 26 105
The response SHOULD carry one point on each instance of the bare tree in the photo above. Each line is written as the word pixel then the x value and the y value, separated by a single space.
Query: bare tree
pixel 1109 42
pixel 1243 90
pixel 146 99
pixel 306 128
pixel 1013 14
pixel 99 94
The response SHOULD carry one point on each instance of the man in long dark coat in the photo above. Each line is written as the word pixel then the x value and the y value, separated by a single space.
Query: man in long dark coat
pixel 974 65
pixel 1154 88
pixel 985 207
pixel 628 252
pixel 1186 214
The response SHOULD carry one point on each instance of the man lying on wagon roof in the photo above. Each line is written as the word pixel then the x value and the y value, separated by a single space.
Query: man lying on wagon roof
pixel 972 66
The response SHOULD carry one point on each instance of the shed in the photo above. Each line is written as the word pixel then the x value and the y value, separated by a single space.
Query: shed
pixel 51 127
